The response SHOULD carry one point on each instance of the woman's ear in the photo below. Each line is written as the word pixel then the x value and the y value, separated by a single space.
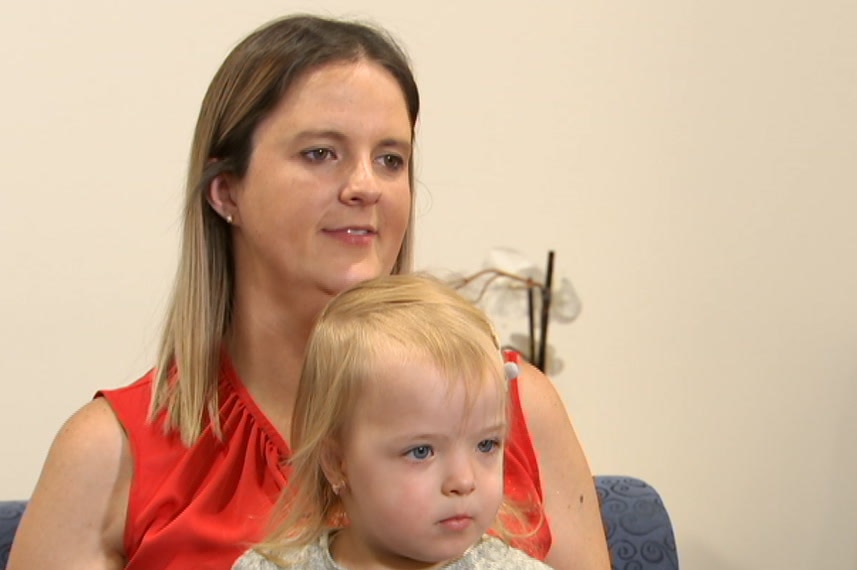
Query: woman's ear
pixel 221 196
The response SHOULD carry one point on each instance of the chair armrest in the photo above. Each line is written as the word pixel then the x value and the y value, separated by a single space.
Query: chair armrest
pixel 10 516
pixel 639 532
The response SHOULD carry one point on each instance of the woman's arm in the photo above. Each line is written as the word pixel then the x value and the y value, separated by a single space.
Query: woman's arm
pixel 76 516
pixel 569 490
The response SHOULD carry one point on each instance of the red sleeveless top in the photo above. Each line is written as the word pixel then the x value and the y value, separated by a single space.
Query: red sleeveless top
pixel 202 506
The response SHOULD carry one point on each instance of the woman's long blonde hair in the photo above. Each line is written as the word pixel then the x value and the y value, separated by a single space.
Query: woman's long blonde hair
pixel 255 76
pixel 360 330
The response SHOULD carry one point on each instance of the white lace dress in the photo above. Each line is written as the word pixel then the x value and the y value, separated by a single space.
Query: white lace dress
pixel 488 554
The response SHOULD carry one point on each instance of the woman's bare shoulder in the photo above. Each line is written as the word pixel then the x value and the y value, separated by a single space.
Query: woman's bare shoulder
pixel 546 414
pixel 76 516
pixel 571 503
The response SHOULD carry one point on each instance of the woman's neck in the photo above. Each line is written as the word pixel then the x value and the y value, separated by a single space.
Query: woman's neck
pixel 266 343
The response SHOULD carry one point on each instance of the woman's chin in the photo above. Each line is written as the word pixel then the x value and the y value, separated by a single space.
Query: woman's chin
pixel 353 276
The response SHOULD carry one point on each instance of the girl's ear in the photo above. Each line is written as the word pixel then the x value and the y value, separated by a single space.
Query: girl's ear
pixel 333 463
pixel 221 195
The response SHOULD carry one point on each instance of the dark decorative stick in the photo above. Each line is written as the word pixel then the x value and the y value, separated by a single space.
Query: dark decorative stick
pixel 531 312
pixel 545 317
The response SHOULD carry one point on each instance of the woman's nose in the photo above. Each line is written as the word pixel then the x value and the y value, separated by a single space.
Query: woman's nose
pixel 361 186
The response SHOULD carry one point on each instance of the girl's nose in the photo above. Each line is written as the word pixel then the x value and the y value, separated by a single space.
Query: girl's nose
pixel 460 477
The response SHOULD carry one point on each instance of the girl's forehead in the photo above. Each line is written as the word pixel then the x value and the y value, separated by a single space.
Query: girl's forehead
pixel 418 388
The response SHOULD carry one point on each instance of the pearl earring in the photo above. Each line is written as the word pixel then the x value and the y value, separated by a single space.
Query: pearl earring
pixel 229 219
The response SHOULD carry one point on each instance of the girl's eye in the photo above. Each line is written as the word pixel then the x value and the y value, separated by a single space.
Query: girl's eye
pixel 488 445
pixel 392 161
pixel 421 452
pixel 318 154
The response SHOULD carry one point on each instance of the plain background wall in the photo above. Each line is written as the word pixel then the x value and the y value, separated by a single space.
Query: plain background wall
pixel 692 164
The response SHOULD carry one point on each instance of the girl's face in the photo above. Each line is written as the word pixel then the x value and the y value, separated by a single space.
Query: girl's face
pixel 326 198
pixel 423 472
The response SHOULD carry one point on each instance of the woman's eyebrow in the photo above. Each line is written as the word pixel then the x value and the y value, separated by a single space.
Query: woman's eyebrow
pixel 319 134
pixel 403 145
pixel 333 134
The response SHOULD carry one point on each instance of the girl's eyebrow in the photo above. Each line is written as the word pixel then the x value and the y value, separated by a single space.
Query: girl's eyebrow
pixel 499 427
pixel 418 436
pixel 496 428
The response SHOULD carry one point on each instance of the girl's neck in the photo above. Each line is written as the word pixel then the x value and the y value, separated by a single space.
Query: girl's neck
pixel 349 551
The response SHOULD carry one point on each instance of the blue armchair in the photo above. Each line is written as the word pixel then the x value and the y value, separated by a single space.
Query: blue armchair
pixel 10 516
pixel 639 532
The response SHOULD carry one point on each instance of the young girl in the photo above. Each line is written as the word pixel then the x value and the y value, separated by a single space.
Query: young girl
pixel 398 435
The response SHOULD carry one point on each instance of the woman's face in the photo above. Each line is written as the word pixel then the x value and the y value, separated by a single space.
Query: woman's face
pixel 326 198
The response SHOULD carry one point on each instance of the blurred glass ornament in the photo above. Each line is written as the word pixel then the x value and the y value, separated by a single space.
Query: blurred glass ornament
pixel 510 286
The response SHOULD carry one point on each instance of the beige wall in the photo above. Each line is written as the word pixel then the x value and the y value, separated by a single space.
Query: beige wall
pixel 692 163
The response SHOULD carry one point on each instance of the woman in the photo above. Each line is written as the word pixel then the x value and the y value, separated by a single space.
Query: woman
pixel 300 184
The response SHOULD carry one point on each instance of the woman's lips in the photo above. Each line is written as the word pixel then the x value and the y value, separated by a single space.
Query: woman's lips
pixel 358 231
pixel 353 235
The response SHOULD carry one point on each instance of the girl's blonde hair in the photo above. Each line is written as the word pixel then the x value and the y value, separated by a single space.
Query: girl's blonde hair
pixel 255 76
pixel 411 315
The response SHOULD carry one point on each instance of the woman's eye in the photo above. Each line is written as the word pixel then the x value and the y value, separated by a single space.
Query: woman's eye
pixel 318 154
pixel 420 452
pixel 392 161
pixel 488 445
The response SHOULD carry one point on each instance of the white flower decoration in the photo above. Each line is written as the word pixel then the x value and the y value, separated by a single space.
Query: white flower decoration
pixel 501 289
